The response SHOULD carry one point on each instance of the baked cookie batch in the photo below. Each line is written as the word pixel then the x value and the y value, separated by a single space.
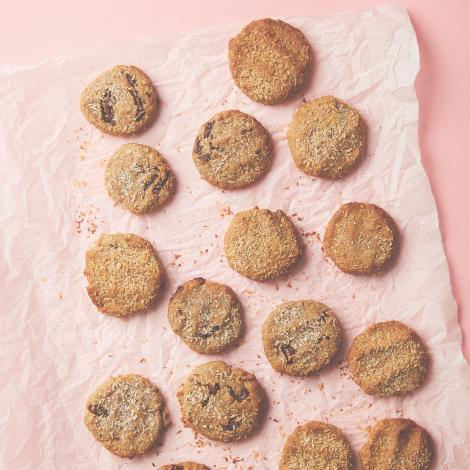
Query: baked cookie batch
pixel 270 61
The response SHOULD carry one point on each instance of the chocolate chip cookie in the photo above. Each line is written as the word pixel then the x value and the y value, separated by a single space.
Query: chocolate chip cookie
pixel 397 444
pixel 326 138
pixel 388 359
pixel 126 414
pixel 361 239
pixel 184 466
pixel 139 178
pixel 301 337
pixel 121 101
pixel 232 150
pixel 205 315
pixel 261 244
pixel 270 60
pixel 221 402
pixel 123 273
pixel 316 446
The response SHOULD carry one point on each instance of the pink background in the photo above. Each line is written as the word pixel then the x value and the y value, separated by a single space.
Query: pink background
pixel 34 31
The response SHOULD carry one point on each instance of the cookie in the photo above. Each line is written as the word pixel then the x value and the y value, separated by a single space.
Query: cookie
pixel 388 359
pixel 123 273
pixel 184 466
pixel 261 244
pixel 361 239
pixel 139 178
pixel 270 60
pixel 316 446
pixel 126 414
pixel 301 337
pixel 232 150
pixel 121 101
pixel 220 402
pixel 397 444
pixel 326 138
pixel 205 315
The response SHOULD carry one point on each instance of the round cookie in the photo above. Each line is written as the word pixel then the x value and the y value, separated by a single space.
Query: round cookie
pixel 232 150
pixel 121 101
pixel 123 273
pixel 316 446
pixel 126 414
pixel 301 337
pixel 205 315
pixel 397 444
pixel 388 359
pixel 361 239
pixel 220 402
pixel 184 466
pixel 139 178
pixel 270 60
pixel 261 244
pixel 326 138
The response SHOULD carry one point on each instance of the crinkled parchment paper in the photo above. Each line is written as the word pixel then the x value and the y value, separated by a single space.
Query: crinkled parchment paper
pixel 56 348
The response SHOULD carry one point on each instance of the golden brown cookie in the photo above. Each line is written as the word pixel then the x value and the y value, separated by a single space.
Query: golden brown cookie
pixel 123 273
pixel 232 150
pixel 316 446
pixel 301 337
pixel 397 444
pixel 126 414
pixel 221 402
pixel 270 60
pixel 121 101
pixel 388 359
pixel 361 239
pixel 205 315
pixel 184 466
pixel 261 244
pixel 326 138
pixel 139 178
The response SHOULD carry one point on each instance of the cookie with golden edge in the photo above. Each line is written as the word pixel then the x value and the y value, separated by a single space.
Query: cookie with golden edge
pixel 270 60
pixel 205 315
pixel 326 138
pixel 388 359
pixel 261 244
pixel 232 150
pixel 361 238
pixel 301 337
pixel 184 466
pixel 126 414
pixel 397 444
pixel 139 178
pixel 121 101
pixel 221 402
pixel 124 274
pixel 316 446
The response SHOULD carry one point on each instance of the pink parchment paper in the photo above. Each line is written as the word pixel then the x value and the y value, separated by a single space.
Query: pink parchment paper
pixel 56 348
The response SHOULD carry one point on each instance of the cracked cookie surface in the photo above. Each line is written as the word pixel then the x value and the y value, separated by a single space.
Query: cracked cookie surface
pixel 270 60
pixel 139 178
pixel 316 446
pixel 326 138
pixel 261 244
pixel 124 274
pixel 361 238
pixel 221 402
pixel 184 466
pixel 397 444
pixel 301 337
pixel 121 101
pixel 126 414
pixel 232 150
pixel 205 315
pixel 388 359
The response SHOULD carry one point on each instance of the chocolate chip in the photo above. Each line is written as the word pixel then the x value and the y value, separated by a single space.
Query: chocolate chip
pixel 107 103
pixel 243 395
pixel 213 388
pixel 161 183
pixel 204 334
pixel 208 129
pixel 98 410
pixel 198 151
pixel 231 425
pixel 140 114
pixel 288 352
pixel 200 279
